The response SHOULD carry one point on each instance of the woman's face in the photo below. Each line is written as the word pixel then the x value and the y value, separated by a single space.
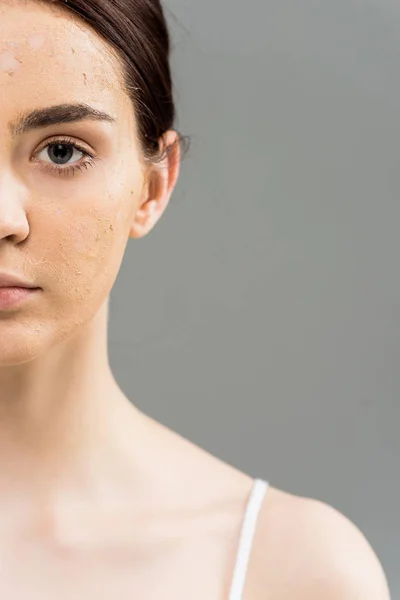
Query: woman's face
pixel 65 217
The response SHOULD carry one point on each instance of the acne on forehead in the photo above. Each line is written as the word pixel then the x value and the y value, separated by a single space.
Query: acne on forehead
pixel 36 40
pixel 8 62
pixel 52 32
pixel 66 56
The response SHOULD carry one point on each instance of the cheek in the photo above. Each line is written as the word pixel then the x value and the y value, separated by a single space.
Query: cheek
pixel 84 249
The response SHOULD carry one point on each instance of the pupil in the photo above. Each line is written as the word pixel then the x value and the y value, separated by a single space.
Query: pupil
pixel 60 153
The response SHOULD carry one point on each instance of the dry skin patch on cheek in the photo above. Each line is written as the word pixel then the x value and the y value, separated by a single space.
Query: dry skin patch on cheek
pixel 79 248
pixel 90 246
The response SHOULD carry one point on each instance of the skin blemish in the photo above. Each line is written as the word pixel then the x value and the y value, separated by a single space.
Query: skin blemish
pixel 8 62
pixel 36 41
pixel 85 78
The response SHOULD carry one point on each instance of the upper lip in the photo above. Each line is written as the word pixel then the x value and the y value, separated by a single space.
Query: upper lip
pixel 13 281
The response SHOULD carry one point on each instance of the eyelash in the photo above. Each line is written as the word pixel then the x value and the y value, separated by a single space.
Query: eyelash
pixel 70 170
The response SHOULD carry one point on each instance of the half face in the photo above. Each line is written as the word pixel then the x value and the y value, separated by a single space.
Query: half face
pixel 69 191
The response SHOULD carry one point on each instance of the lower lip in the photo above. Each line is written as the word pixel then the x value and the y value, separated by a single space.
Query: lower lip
pixel 10 297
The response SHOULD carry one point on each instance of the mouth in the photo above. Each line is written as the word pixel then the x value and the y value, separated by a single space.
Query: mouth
pixel 13 296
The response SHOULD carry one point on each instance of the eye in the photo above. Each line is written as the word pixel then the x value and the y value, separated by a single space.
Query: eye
pixel 57 154
pixel 60 153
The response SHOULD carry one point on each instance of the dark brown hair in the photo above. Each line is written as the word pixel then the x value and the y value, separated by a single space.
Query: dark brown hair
pixel 137 30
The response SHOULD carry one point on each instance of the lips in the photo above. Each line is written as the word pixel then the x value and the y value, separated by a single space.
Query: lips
pixel 13 281
pixel 14 297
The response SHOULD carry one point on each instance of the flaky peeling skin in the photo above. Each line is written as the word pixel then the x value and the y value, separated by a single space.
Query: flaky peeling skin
pixel 75 228
pixel 8 59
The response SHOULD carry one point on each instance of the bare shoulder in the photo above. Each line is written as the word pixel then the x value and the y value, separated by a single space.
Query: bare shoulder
pixel 304 548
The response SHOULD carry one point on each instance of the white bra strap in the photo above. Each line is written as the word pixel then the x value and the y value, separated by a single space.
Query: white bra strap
pixel 246 538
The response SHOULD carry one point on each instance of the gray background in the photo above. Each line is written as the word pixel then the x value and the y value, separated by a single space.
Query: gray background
pixel 260 318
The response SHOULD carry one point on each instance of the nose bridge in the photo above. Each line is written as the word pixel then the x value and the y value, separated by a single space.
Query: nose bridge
pixel 13 218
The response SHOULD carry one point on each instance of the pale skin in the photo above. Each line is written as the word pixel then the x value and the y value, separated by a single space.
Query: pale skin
pixel 97 500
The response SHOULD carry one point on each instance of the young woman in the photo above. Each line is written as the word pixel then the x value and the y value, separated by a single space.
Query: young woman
pixel 97 500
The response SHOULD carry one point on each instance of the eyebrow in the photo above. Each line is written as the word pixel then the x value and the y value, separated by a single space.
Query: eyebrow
pixel 54 115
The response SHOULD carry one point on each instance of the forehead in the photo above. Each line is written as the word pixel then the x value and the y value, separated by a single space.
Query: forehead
pixel 48 56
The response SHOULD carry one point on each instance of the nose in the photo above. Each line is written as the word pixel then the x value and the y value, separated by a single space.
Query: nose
pixel 14 224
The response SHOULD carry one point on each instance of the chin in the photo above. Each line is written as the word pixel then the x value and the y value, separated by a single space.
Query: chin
pixel 15 356
pixel 21 342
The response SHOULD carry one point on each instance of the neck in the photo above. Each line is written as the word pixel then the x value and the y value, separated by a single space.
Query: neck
pixel 62 412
